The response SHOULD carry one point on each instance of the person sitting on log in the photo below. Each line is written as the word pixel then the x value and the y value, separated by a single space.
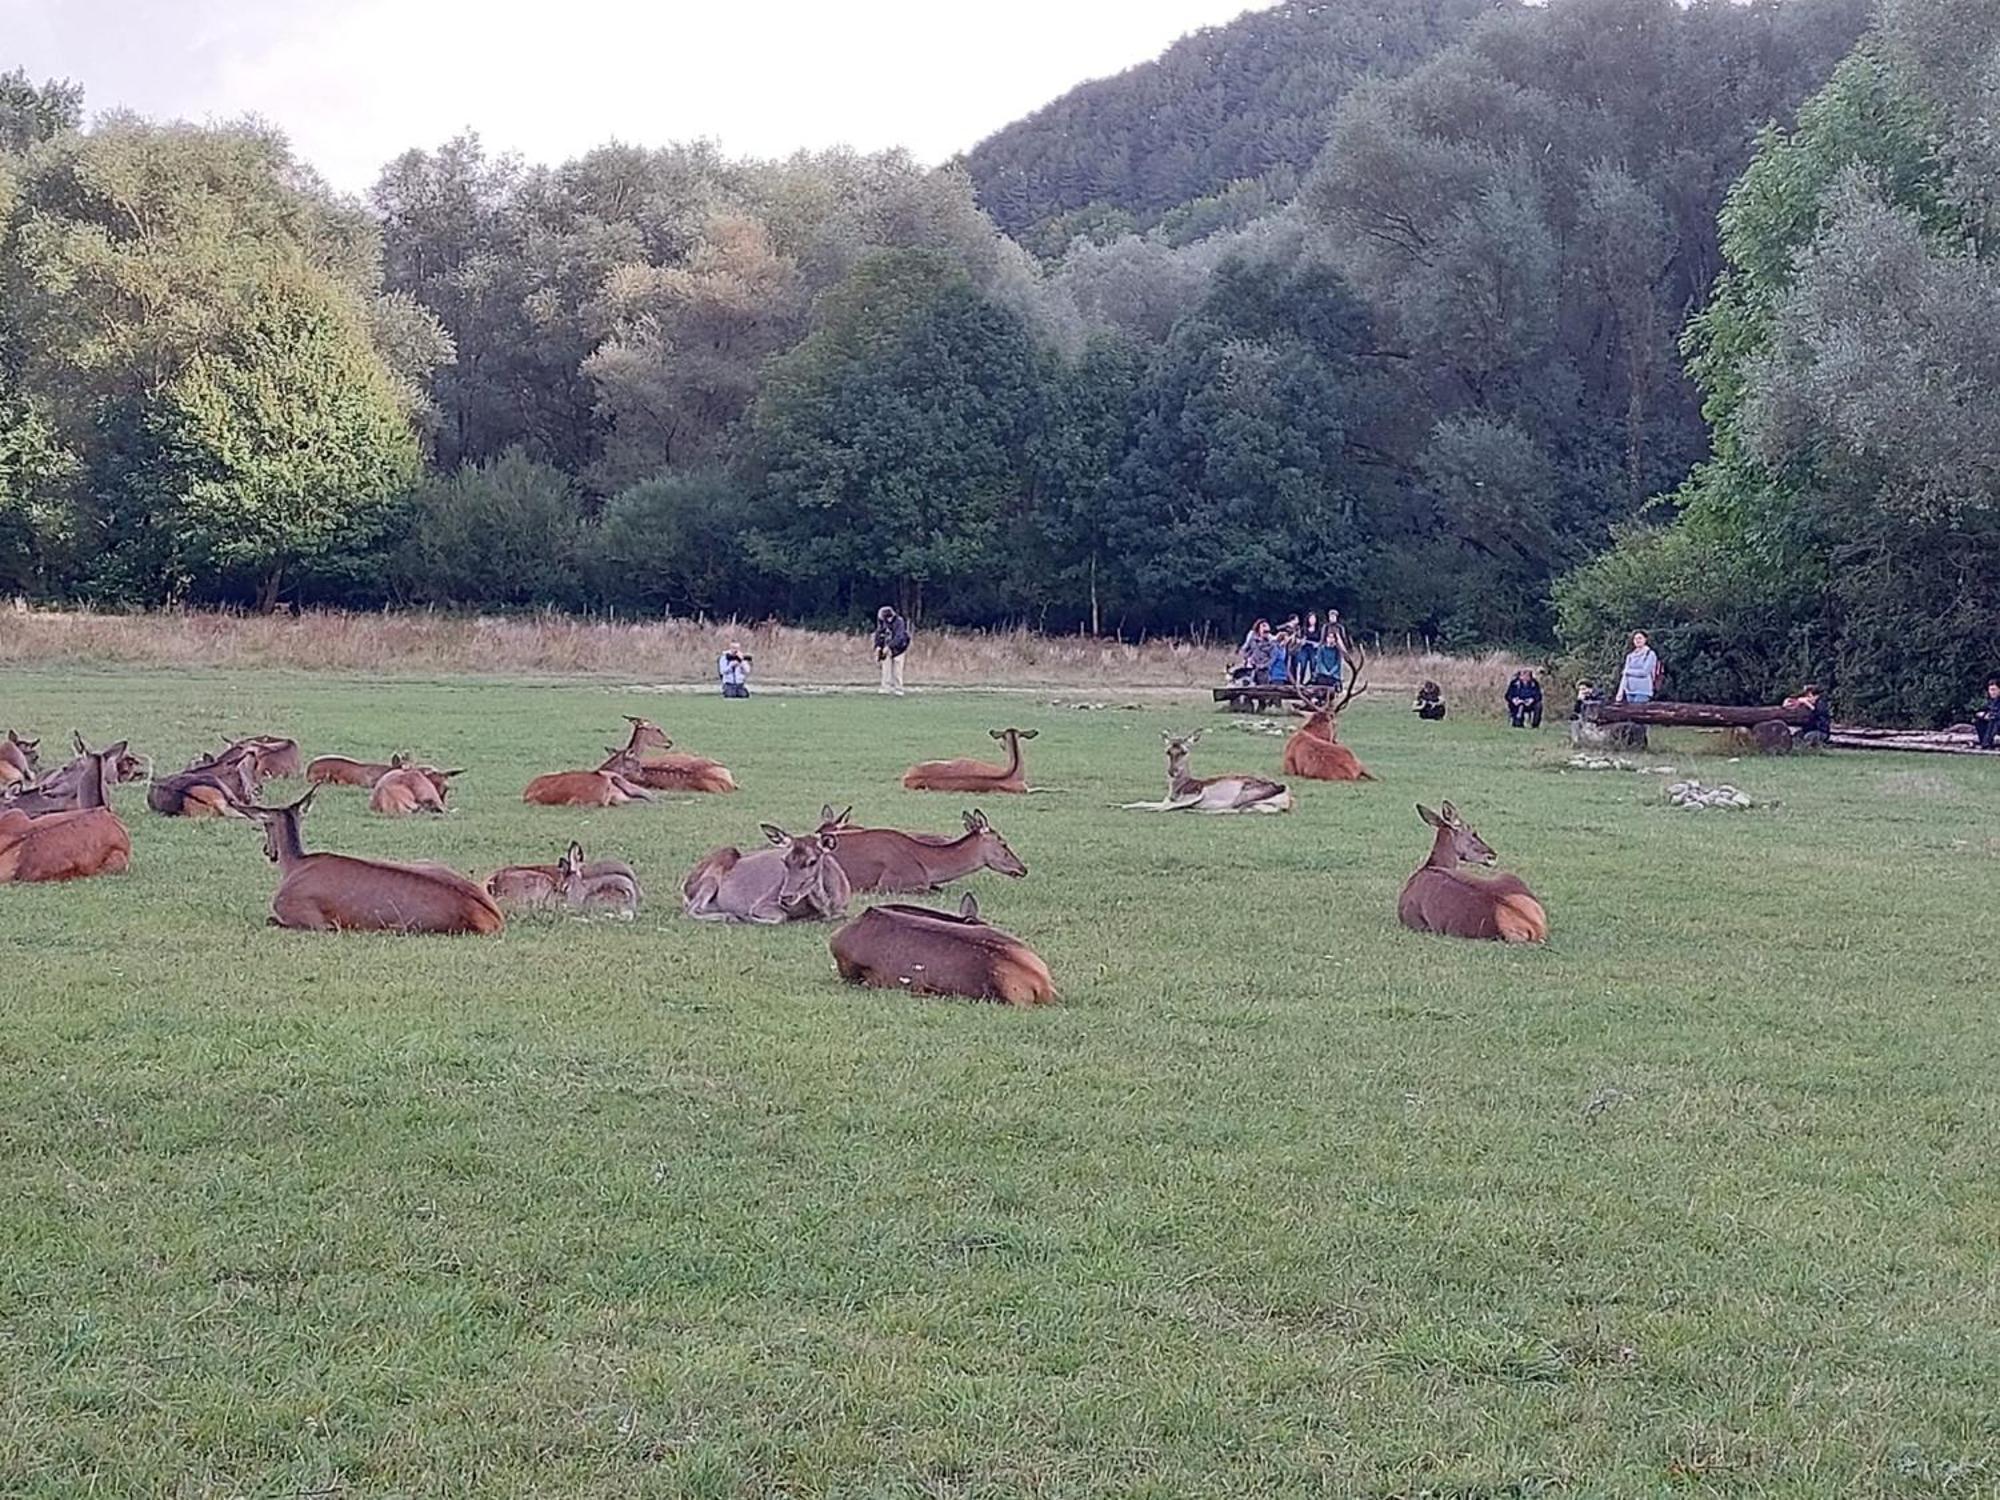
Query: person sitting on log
pixel 1986 718
pixel 1524 700
pixel 1586 694
pixel 1430 701
pixel 1814 732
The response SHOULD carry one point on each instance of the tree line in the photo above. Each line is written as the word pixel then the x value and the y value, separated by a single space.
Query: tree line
pixel 1430 371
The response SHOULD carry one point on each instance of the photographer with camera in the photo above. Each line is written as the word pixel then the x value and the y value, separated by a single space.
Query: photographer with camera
pixel 734 668
pixel 892 640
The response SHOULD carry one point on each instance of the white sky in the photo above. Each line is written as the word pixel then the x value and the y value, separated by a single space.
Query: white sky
pixel 354 82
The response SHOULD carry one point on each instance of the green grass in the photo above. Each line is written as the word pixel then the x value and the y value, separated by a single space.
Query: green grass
pixel 1281 1200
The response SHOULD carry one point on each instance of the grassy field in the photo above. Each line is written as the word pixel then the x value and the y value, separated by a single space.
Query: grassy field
pixel 1281 1200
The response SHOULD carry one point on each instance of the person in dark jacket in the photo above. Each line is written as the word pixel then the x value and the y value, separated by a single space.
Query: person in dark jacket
pixel 1811 734
pixel 1986 718
pixel 892 643
pixel 1430 701
pixel 1524 700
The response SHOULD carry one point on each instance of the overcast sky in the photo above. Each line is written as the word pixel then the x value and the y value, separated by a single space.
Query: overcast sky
pixel 353 82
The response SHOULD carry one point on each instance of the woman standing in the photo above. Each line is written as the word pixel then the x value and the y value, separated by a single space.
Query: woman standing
pixel 1640 677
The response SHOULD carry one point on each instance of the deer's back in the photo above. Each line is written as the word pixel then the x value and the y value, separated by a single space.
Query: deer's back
pixel 64 846
pixel 341 891
pixel 1499 907
pixel 341 771
pixel 929 954
pixel 569 789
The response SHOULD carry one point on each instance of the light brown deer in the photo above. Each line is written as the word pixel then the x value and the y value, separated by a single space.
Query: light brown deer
pixel 411 789
pixel 1314 750
pixel 540 887
pixel 610 785
pixel 1442 897
pixel 217 787
pixel 339 892
pixel 975 775
pixel 1235 792
pixel 797 880
pixel 926 952
pixel 668 770
pixel 18 758
pixel 69 845
pixel 886 859
pixel 339 770
pixel 62 790
pixel 602 882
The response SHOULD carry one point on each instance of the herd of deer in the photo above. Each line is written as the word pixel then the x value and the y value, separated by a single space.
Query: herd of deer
pixel 62 827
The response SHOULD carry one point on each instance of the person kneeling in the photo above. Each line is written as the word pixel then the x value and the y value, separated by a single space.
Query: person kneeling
pixel 734 668
pixel 1430 701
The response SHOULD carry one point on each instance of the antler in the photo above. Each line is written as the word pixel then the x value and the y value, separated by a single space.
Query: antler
pixel 1358 660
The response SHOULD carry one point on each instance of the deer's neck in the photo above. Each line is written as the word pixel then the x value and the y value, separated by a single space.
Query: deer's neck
pixel 1443 856
pixel 1013 758
pixel 90 792
pixel 291 850
pixel 949 861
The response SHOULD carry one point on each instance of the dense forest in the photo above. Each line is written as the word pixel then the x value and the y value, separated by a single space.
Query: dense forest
pixel 1481 320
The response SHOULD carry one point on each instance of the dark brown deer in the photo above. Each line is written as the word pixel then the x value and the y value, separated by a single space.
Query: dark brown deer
pixel 18 758
pixel 886 859
pixel 1443 897
pixel 218 787
pixel 975 775
pixel 1314 750
pixel 797 880
pixel 610 785
pixel 63 790
pixel 411 789
pixel 69 845
pixel 926 952
pixel 667 770
pixel 272 757
pixel 1236 792
pixel 339 770
pixel 339 892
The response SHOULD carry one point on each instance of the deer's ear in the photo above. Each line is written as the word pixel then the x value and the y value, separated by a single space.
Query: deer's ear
pixel 826 812
pixel 829 841
pixel 306 801
pixel 969 907
pixel 1449 814
pixel 575 851
pixel 1430 817
pixel 1028 734
pixel 774 834
pixel 996 734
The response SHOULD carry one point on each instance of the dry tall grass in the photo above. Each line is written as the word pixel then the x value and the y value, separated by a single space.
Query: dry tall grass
pixel 673 651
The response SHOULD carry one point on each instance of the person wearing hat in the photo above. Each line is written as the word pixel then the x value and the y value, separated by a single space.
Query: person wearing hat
pixel 734 668
pixel 892 640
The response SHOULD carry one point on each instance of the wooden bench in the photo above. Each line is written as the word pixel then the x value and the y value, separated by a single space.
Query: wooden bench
pixel 1251 697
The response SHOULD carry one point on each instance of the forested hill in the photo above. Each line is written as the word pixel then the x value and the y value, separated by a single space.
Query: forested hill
pixel 1250 100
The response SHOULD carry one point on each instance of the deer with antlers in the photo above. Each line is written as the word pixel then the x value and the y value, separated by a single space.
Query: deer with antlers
pixel 668 770
pixel 612 784
pixel 1444 897
pixel 887 859
pixel 796 880
pixel 344 893
pixel 1235 792
pixel 74 845
pixel 975 775
pixel 926 952
pixel 412 789
pixel 1314 751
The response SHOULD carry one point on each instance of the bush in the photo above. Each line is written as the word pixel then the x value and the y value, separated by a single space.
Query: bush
pixel 674 544
pixel 504 533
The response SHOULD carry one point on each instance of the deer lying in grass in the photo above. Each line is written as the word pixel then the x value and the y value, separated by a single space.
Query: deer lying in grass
pixel 1442 897
pixel 1314 750
pixel 338 770
pixel 797 880
pixel 672 772
pixel 272 757
pixel 211 787
pixel 18 758
pixel 545 887
pixel 887 859
pixel 339 892
pixel 69 845
pixel 411 789
pixel 928 952
pixel 1236 792
pixel 610 785
pixel 62 790
pixel 603 882
pixel 975 775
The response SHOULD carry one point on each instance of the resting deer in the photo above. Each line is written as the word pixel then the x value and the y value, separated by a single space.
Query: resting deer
pixel 1236 792
pixel 886 859
pixel 209 788
pixel 411 789
pixel 603 882
pixel 540 887
pixel 975 775
pixel 928 952
pixel 18 758
pixel 611 785
pixel 339 892
pixel 62 790
pixel 1314 750
pixel 676 772
pixel 272 757
pixel 1442 897
pixel 797 880
pixel 69 845
pixel 338 770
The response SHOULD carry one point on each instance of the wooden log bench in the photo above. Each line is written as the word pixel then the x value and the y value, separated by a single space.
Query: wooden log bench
pixel 1255 697
pixel 1694 715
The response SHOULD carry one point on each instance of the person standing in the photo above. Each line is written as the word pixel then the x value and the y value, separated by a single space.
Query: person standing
pixel 734 669
pixel 892 642
pixel 1639 679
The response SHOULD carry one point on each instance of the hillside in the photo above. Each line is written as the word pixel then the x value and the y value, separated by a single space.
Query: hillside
pixel 1242 101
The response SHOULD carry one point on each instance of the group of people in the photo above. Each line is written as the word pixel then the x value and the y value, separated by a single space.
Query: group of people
pixel 1305 650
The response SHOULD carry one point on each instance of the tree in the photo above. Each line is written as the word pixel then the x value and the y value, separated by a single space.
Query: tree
pixel 675 544
pixel 507 532
pixel 31 114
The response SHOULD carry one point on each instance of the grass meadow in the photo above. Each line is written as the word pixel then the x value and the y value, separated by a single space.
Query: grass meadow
pixel 1281 1200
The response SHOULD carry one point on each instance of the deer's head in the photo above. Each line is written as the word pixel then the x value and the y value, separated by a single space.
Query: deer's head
pixel 992 848
pixel 804 860
pixel 833 822
pixel 623 761
pixel 1179 747
pixel 1454 837
pixel 440 780
pixel 646 735
pixel 281 824
pixel 569 869
pixel 30 749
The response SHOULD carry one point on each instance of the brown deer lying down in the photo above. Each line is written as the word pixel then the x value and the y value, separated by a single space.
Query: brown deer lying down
pixel 677 772
pixel 411 789
pixel 601 882
pixel 1236 792
pixel 927 952
pixel 611 785
pixel 272 757
pixel 975 775
pixel 886 859
pixel 338 892
pixel 543 887
pixel 209 788
pixel 797 880
pixel 1441 897
pixel 18 758
pixel 1314 750
pixel 338 770
pixel 62 790
pixel 69 845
